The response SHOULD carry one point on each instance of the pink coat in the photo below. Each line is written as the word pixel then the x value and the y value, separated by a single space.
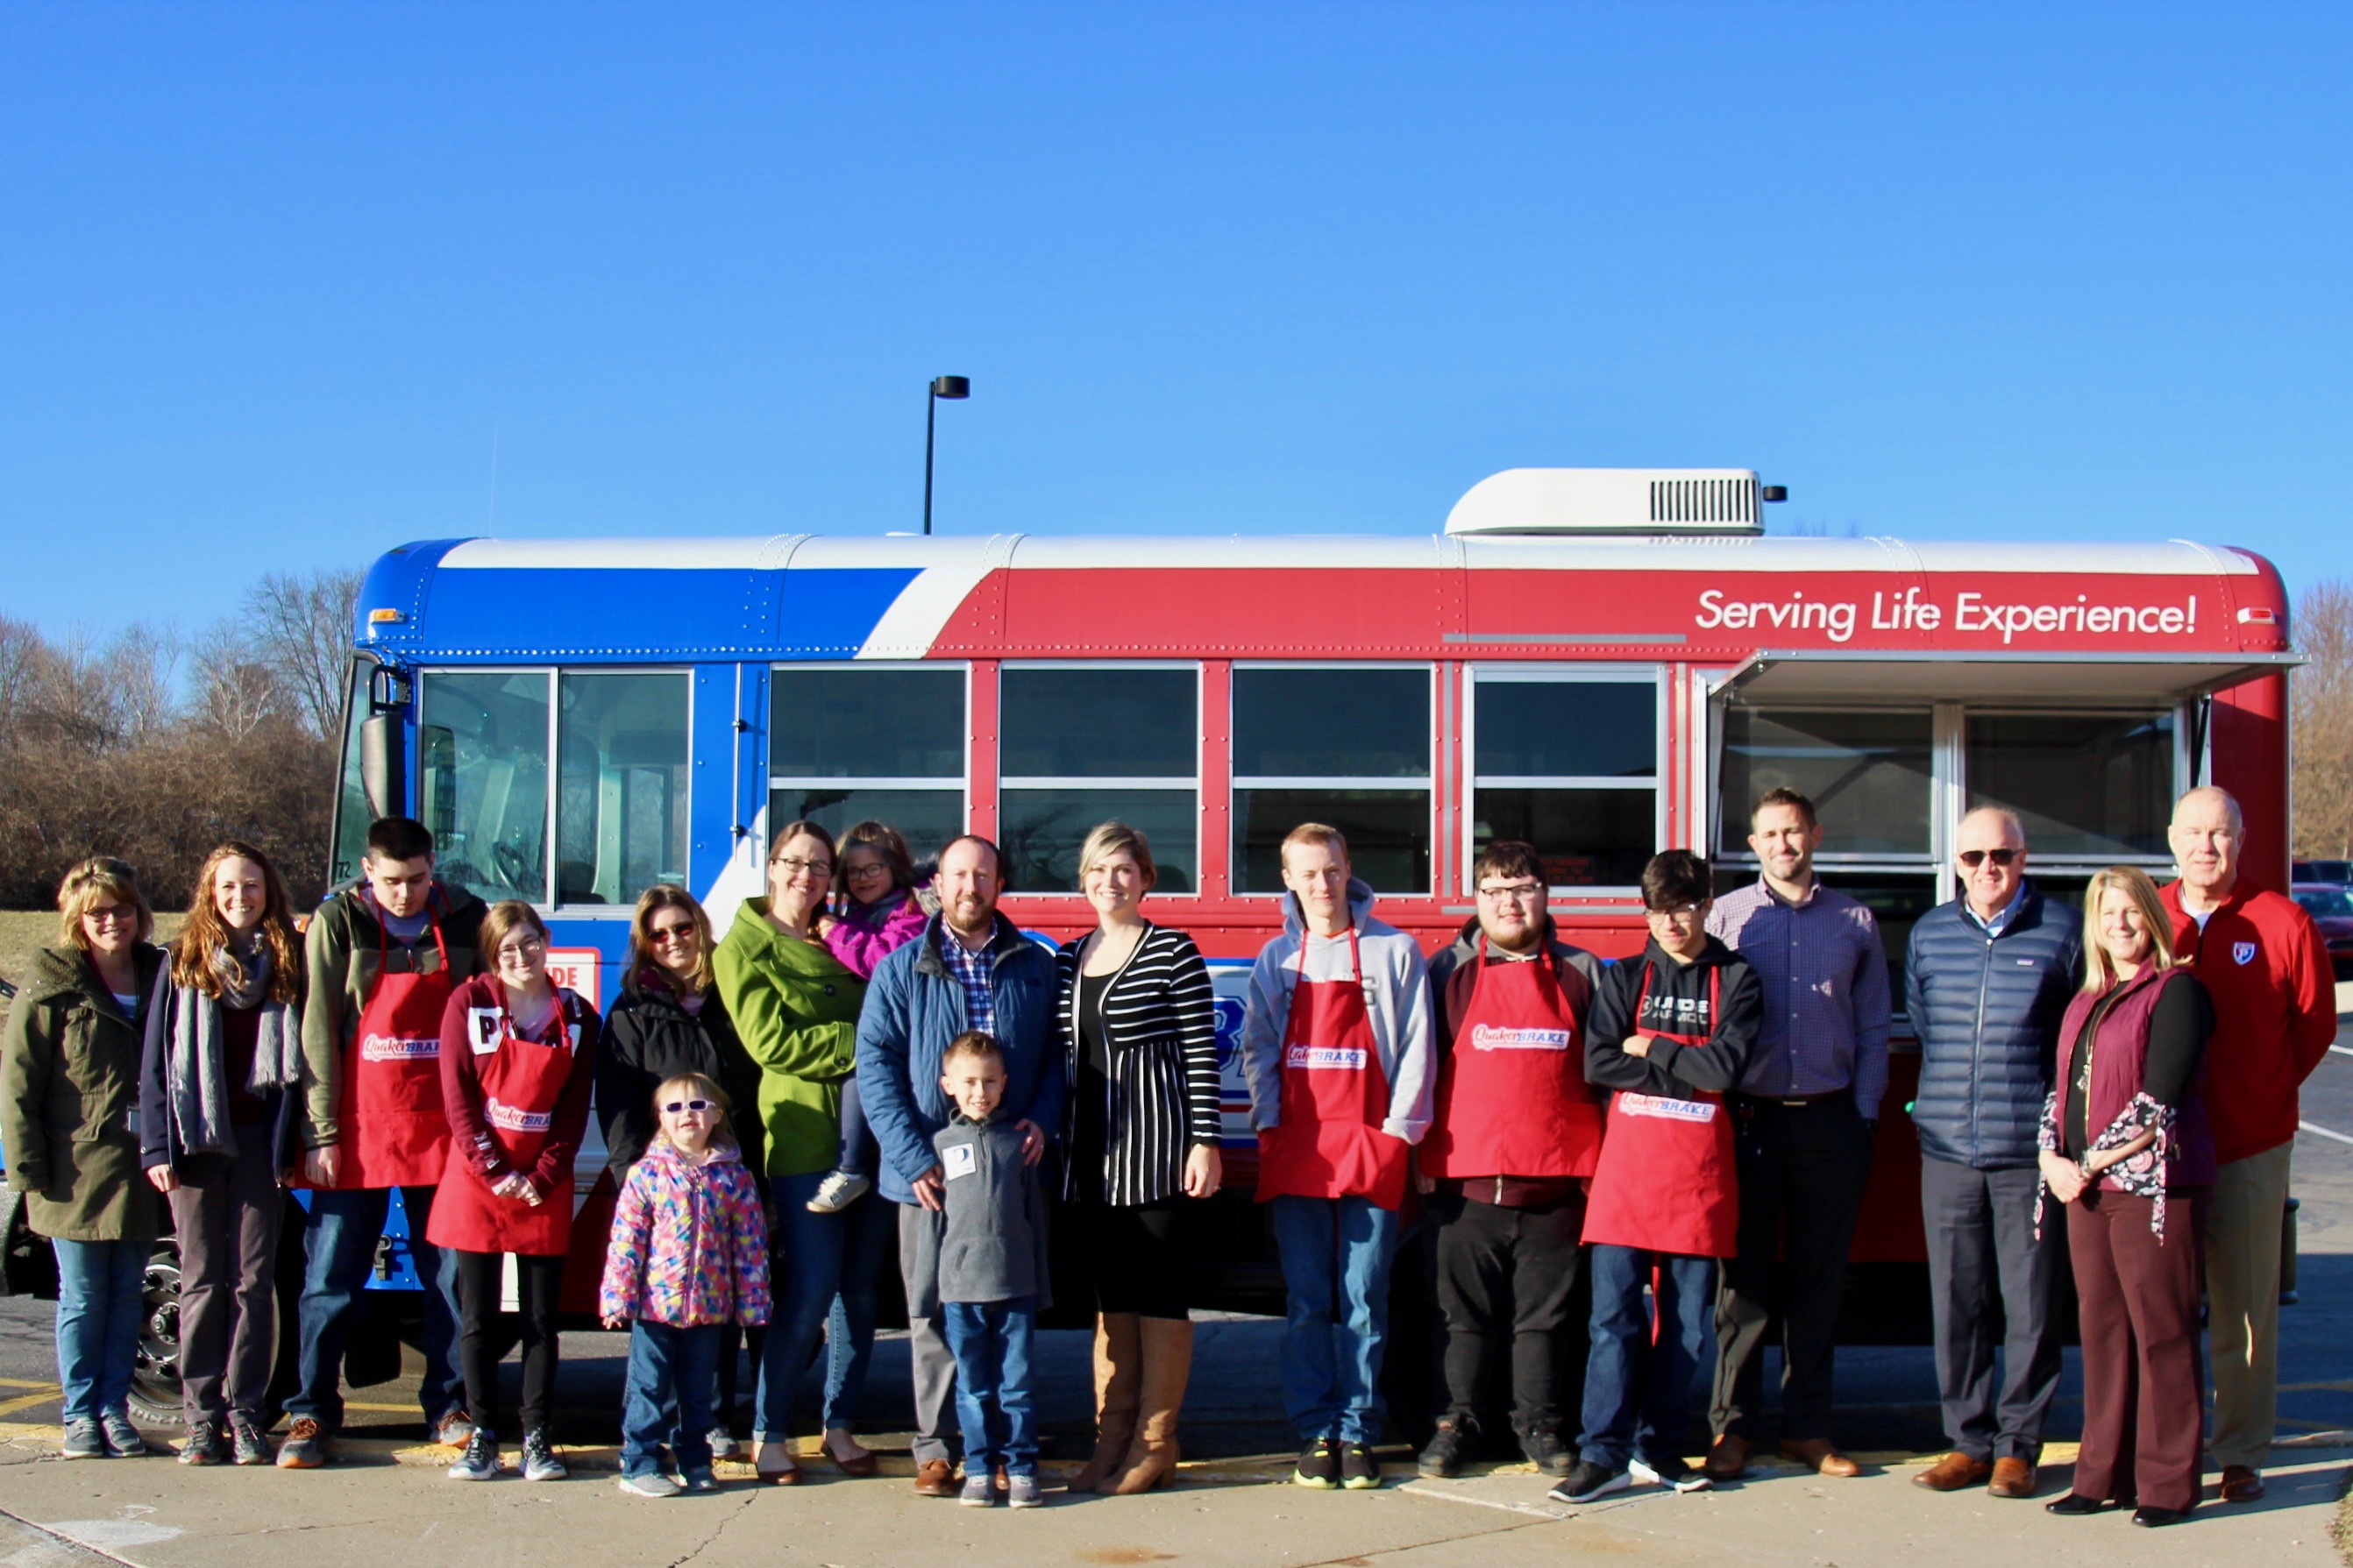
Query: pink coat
pixel 861 939
pixel 690 1244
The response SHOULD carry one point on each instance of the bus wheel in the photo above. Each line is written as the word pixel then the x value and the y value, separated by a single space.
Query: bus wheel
pixel 155 1375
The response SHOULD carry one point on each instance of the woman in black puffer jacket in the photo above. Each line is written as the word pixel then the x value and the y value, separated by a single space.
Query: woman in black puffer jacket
pixel 669 1019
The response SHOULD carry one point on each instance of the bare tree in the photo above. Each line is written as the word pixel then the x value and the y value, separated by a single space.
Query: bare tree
pixel 2323 721
pixel 302 631
pixel 234 693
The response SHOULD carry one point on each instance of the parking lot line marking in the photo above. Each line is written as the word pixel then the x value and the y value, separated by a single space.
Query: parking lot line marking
pixel 2342 1050
pixel 23 1383
pixel 2319 1132
pixel 27 1401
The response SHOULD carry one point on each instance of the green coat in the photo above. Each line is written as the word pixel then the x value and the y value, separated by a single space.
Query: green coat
pixel 68 1093
pixel 795 1010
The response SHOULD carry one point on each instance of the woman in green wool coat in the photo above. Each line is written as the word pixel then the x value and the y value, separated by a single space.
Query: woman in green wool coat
pixel 795 1010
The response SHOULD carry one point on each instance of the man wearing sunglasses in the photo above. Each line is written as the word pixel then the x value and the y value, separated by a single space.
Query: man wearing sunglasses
pixel 1985 982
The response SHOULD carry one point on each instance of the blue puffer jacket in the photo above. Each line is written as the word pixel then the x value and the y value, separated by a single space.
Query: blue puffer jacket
pixel 1988 1011
pixel 914 1006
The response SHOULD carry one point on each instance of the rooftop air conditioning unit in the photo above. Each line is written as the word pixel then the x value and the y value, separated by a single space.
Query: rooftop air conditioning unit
pixel 1713 501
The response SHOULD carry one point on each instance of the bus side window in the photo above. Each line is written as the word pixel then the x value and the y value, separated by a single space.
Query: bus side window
pixel 483 779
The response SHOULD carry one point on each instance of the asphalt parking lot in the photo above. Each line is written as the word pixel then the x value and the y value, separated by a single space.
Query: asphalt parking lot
pixel 388 1502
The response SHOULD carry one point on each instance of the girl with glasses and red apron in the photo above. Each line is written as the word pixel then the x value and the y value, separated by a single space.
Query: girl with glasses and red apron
pixel 1665 1206
pixel 517 1098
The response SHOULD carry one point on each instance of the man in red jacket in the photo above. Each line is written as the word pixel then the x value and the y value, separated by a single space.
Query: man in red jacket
pixel 2266 968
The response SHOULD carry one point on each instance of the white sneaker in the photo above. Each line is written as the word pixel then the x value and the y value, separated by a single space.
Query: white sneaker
pixel 723 1443
pixel 1021 1492
pixel 838 1192
pixel 539 1460
pixel 1682 1477
pixel 653 1484
pixel 480 1461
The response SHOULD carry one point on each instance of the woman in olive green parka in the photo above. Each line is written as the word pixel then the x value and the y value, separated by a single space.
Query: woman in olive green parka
pixel 795 1010
pixel 68 1131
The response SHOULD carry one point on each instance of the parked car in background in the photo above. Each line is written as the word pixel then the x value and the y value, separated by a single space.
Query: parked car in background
pixel 2331 908
pixel 2335 873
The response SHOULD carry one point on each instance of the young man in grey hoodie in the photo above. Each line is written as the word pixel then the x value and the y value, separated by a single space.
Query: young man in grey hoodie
pixel 1337 1051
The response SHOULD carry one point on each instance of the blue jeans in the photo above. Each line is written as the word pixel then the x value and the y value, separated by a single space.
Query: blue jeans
pixel 673 1379
pixel 99 1286
pixel 993 1398
pixel 1335 1268
pixel 828 1267
pixel 1638 1393
pixel 338 1251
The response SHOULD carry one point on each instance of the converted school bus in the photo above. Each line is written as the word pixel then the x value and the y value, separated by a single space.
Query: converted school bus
pixel 1606 663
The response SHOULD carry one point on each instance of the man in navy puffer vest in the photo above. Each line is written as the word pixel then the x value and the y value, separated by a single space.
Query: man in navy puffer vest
pixel 1986 981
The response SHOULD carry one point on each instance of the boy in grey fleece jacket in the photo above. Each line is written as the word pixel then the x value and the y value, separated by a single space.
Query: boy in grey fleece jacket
pixel 992 1272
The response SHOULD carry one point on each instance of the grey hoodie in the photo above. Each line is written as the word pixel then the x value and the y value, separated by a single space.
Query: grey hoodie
pixel 1397 995
pixel 992 1236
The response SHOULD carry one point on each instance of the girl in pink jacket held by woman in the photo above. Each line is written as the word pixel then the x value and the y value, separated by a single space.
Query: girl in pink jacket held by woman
pixel 883 913
pixel 687 1259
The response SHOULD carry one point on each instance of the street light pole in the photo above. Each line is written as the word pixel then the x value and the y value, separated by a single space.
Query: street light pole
pixel 953 387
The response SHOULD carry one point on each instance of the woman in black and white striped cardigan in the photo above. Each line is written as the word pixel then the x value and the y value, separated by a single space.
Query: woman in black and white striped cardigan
pixel 1138 1026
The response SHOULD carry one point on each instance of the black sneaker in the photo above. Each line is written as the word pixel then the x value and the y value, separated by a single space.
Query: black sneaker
pixel 202 1445
pixel 1546 1451
pixel 247 1445
pixel 1359 1471
pixel 1449 1446
pixel 1669 1470
pixel 1319 1464
pixel 1588 1480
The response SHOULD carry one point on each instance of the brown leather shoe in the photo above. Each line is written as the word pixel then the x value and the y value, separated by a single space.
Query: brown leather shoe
pixel 2012 1477
pixel 935 1477
pixel 1727 1457
pixel 2241 1483
pixel 1821 1456
pixel 1953 1472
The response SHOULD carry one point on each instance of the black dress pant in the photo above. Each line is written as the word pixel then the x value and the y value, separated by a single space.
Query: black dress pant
pixel 1507 1272
pixel 1801 1170
pixel 538 1282
pixel 1986 1269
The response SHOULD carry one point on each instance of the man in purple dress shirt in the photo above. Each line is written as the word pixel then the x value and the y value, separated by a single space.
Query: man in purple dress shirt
pixel 1806 1108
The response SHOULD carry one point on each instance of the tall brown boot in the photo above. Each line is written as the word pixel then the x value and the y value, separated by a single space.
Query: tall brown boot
pixel 1119 1376
pixel 1168 1366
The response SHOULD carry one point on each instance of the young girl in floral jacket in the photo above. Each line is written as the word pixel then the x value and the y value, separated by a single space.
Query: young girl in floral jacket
pixel 688 1255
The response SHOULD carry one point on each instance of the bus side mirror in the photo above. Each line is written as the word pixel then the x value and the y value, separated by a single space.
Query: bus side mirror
pixel 382 773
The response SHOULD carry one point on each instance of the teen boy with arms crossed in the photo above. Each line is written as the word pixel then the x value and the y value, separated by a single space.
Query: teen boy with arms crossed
pixel 1671 1034
pixel 1337 1050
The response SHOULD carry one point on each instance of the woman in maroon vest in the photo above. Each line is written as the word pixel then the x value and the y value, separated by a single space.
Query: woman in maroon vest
pixel 2124 1131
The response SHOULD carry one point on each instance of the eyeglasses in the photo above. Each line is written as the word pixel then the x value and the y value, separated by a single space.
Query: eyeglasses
pixel 1517 892
pixel 1683 912
pixel 664 935
pixel 678 1106
pixel 794 866
pixel 106 914
pixel 860 873
pixel 522 946
pixel 1973 859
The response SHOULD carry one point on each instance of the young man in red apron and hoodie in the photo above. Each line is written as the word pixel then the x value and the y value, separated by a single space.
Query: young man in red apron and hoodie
pixel 1337 1050
pixel 1671 1033
pixel 518 1059
pixel 383 957
pixel 1511 1147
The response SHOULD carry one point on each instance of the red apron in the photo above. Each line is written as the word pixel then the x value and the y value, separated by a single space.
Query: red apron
pixel 1329 1144
pixel 522 1083
pixel 394 1131
pixel 1666 1181
pixel 1512 1097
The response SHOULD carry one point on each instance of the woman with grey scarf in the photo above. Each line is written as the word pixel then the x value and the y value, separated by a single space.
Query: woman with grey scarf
pixel 218 1098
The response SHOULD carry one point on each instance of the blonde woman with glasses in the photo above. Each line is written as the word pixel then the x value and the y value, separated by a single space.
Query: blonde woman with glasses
pixel 68 1123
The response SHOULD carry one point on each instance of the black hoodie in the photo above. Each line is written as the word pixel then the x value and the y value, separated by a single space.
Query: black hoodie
pixel 1678 1001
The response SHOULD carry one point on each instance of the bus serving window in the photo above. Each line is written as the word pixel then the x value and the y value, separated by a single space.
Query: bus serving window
pixel 1570 764
pixel 483 779
pixel 2089 785
pixel 620 796
pixel 885 742
pixel 1078 745
pixel 1866 771
pixel 1346 745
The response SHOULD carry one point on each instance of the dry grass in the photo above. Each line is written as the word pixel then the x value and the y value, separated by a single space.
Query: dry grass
pixel 24 931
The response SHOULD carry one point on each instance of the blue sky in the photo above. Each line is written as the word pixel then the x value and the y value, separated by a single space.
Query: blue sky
pixel 275 281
